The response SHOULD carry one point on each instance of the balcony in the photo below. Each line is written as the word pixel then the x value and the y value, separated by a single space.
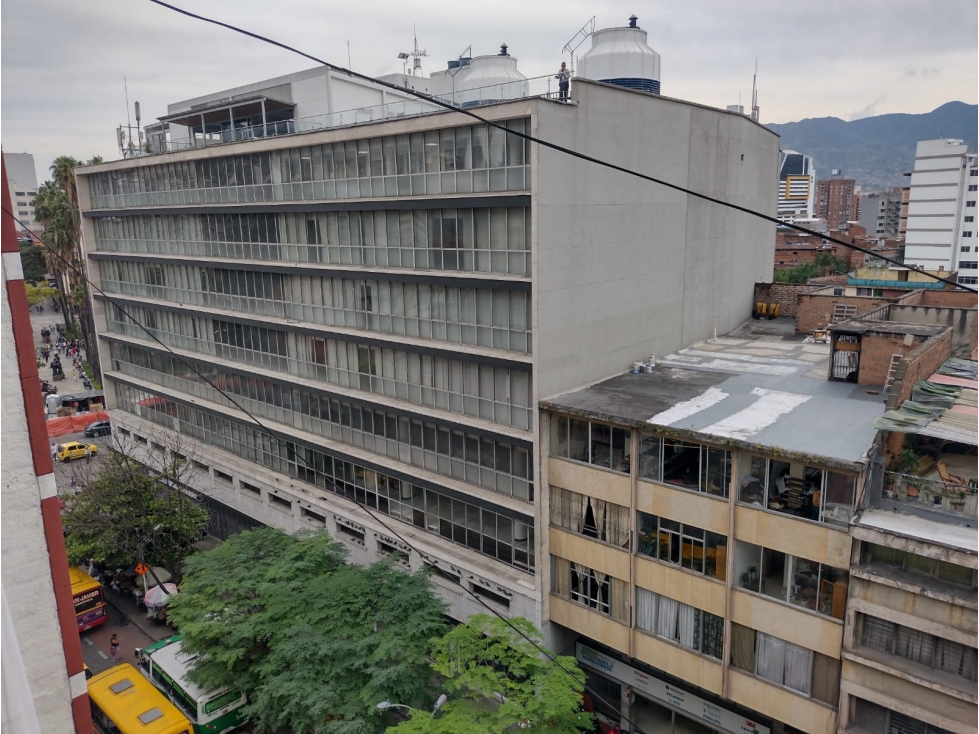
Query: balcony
pixel 933 493
pixel 239 130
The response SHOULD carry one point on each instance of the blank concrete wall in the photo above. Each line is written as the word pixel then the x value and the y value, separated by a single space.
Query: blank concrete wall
pixel 961 320
pixel 626 267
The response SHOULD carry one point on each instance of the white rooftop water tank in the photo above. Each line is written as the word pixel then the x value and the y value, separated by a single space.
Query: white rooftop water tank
pixel 492 79
pixel 620 56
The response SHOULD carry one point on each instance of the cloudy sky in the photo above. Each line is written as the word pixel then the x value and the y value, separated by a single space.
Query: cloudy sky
pixel 63 61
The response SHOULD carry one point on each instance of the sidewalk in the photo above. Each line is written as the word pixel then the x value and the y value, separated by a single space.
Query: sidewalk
pixel 69 385
pixel 123 605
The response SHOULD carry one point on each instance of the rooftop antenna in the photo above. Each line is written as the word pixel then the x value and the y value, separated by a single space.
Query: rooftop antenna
pixel 349 65
pixel 579 38
pixel 755 112
pixel 416 55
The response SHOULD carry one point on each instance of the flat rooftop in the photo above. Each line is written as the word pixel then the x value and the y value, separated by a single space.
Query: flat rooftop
pixel 956 537
pixel 761 388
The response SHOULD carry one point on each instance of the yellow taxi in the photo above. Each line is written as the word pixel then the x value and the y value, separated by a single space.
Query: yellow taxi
pixel 75 450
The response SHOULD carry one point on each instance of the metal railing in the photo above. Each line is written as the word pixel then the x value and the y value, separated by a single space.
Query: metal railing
pixel 933 494
pixel 542 86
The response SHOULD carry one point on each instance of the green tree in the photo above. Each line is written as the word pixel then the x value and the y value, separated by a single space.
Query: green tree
pixel 131 502
pixel 315 643
pixel 33 262
pixel 38 294
pixel 95 160
pixel 497 681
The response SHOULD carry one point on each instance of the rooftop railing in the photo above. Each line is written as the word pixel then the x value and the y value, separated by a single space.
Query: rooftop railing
pixel 543 87
pixel 933 494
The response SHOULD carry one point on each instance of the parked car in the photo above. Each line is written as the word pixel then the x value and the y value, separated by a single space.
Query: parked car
pixel 99 428
pixel 75 450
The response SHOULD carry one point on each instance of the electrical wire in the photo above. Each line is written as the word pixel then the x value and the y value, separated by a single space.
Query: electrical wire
pixel 546 653
pixel 554 146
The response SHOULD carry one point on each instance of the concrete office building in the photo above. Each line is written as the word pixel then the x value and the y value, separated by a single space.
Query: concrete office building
pixel 941 228
pixel 837 202
pixel 796 186
pixel 880 213
pixel 909 648
pixel 22 180
pixel 699 554
pixel 393 298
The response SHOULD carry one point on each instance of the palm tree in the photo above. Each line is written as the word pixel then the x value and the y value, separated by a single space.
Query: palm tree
pixel 51 209
pixel 95 160
pixel 63 171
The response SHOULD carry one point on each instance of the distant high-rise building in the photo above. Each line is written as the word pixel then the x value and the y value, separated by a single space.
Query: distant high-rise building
pixel 796 186
pixel 22 180
pixel 902 227
pixel 880 213
pixel 837 202
pixel 942 209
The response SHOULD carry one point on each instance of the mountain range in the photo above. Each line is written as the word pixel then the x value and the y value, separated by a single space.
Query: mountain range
pixel 876 151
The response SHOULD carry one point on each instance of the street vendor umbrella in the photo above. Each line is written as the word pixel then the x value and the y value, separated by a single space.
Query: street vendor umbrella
pixel 160 596
pixel 149 579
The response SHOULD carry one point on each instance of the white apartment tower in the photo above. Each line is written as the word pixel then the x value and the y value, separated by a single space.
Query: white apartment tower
pixel 22 179
pixel 392 298
pixel 941 233
pixel 796 186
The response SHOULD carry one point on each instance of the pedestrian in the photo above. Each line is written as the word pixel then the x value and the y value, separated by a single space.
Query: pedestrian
pixel 74 483
pixel 563 80
pixel 114 648
pixel 54 452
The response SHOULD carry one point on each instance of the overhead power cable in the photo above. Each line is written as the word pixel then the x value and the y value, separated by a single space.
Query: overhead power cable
pixel 553 146
pixel 286 439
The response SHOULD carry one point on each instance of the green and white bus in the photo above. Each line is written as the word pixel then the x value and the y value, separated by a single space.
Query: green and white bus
pixel 165 665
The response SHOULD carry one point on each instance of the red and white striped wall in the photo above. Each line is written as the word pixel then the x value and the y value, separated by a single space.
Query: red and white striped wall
pixel 36 587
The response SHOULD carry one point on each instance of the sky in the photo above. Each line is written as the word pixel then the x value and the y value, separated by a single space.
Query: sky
pixel 62 62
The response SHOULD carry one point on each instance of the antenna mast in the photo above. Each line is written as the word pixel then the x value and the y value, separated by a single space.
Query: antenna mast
pixel 416 55
pixel 755 112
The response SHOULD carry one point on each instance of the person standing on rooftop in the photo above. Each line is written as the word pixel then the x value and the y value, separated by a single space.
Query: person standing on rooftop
pixel 563 80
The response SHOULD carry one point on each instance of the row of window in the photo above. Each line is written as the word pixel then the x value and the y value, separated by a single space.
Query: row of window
pixel 917 646
pixel 495 240
pixel 495 464
pixel 797 581
pixel 497 394
pixel 873 718
pixel 942 571
pixel 682 544
pixel 402 165
pixel 485 531
pixel 787 487
pixel 682 624
pixel 475 316
pixel 775 660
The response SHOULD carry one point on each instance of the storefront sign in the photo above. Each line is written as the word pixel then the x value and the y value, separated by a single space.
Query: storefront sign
pixel 694 706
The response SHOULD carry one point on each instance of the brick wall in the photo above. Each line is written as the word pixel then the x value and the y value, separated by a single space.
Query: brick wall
pixel 815 311
pixel 949 299
pixel 919 364
pixel 786 295
pixel 876 351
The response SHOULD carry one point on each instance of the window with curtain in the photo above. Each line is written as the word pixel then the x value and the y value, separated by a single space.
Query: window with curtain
pixel 783 663
pixel 605 521
pixel 577 582
pixel 683 624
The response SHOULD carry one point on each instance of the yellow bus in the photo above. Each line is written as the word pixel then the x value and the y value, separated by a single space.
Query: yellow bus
pixel 124 702
pixel 89 599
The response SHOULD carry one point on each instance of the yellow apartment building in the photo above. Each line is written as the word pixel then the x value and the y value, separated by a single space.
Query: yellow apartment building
pixel 698 537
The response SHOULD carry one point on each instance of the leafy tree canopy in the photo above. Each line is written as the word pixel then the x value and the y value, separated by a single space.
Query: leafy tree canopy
pixel 497 681
pixel 37 294
pixel 32 260
pixel 124 504
pixel 315 643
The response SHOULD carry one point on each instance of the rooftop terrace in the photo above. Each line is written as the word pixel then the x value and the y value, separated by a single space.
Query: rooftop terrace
pixel 760 388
